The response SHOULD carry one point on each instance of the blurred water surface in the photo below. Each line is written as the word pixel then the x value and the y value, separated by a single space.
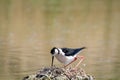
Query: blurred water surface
pixel 30 28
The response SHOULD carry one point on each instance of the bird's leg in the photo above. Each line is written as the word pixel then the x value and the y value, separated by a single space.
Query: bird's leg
pixel 81 59
pixel 70 62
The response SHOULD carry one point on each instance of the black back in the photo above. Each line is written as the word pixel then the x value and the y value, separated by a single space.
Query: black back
pixel 71 52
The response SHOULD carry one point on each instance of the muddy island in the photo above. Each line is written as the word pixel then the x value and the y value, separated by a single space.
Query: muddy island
pixel 56 73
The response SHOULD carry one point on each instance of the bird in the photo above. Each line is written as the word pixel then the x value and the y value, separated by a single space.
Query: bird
pixel 67 55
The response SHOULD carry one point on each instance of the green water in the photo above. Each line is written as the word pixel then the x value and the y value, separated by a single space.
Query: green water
pixel 30 28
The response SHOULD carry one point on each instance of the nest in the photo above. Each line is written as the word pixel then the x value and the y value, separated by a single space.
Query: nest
pixel 56 73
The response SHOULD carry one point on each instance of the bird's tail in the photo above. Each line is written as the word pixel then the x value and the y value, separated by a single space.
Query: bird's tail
pixel 82 48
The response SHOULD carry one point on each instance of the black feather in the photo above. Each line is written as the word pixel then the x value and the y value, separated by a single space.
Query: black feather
pixel 53 50
pixel 71 52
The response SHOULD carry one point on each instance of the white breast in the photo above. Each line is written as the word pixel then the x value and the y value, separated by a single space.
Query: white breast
pixel 64 59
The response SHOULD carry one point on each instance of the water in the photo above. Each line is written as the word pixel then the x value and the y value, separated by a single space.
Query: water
pixel 29 29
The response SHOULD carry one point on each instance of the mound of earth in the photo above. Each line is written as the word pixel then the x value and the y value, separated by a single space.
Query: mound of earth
pixel 56 73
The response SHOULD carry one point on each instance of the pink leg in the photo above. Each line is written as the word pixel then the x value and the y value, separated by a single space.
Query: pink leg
pixel 71 62
pixel 81 59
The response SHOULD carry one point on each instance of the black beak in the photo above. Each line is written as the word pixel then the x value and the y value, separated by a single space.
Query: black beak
pixel 52 60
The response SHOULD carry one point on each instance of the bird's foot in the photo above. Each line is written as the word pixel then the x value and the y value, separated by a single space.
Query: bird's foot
pixel 73 70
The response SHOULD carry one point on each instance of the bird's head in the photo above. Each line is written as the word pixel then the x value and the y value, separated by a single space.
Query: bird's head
pixel 54 51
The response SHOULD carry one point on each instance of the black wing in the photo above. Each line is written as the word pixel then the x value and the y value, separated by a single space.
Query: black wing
pixel 71 52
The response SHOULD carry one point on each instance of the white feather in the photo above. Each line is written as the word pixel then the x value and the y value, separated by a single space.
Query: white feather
pixel 64 59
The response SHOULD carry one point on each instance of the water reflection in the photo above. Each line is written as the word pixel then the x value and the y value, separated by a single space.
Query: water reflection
pixel 29 29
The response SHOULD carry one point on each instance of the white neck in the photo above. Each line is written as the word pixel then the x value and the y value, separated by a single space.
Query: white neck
pixel 60 51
